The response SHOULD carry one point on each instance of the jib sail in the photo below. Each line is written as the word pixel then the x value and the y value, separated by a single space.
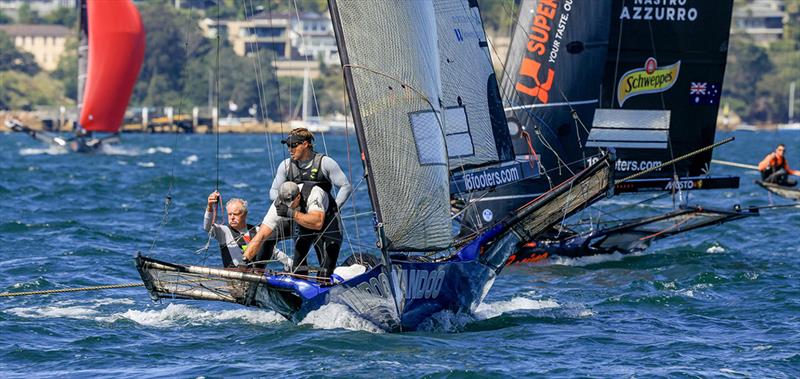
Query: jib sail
pixel 475 125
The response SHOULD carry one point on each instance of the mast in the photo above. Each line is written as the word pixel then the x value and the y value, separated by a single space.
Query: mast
pixel 791 102
pixel 83 57
pixel 305 94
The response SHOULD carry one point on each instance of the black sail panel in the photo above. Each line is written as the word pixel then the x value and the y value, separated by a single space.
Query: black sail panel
pixel 562 45
pixel 662 84
pixel 552 77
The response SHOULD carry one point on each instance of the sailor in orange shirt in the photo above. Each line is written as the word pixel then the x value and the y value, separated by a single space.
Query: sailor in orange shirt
pixel 775 169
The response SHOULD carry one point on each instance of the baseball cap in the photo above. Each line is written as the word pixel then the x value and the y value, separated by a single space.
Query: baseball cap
pixel 293 138
pixel 287 192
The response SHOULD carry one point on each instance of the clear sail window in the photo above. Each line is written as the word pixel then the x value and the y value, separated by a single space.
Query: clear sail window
pixel 459 141
pixel 428 137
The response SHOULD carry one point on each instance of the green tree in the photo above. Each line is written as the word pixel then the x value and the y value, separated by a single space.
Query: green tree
pixel 67 69
pixel 747 65
pixel 13 59
pixel 498 15
pixel 62 16
pixel 23 92
pixel 26 15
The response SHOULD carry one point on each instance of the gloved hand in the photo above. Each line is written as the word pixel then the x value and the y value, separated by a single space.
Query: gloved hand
pixel 283 210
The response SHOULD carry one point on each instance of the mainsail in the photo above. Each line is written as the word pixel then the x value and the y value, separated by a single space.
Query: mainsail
pixel 116 52
pixel 662 85
pixel 395 104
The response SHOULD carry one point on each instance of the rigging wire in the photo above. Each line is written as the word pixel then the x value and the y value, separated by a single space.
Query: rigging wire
pixel 168 198
pixel 310 79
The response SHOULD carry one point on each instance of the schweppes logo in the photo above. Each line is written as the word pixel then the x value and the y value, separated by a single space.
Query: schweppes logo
pixel 650 79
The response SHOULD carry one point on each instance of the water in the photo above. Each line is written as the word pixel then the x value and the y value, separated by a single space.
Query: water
pixel 719 302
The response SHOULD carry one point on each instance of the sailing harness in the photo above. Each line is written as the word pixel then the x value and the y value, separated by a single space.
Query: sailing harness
pixel 311 174
pixel 241 240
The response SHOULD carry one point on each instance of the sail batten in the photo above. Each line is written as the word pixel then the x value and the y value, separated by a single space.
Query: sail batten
pixel 395 100
pixel 116 52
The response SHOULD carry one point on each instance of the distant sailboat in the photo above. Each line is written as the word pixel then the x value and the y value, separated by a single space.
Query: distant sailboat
pixel 659 100
pixel 110 55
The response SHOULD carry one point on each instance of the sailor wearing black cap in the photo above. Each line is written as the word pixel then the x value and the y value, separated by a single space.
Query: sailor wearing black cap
pixel 306 165
pixel 313 211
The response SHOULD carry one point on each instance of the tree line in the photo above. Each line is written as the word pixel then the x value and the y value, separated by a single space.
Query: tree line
pixel 181 65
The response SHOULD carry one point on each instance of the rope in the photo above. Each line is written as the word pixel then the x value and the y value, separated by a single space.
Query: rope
pixel 682 157
pixel 79 289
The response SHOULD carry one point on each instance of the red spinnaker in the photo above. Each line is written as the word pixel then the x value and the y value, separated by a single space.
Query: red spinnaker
pixel 116 52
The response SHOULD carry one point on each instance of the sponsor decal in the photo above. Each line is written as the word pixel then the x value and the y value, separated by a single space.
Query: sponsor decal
pixel 659 10
pixel 684 184
pixel 704 93
pixel 490 178
pixel 623 165
pixel 649 79
pixel 487 215
pixel 421 284
pixel 362 297
pixel 545 31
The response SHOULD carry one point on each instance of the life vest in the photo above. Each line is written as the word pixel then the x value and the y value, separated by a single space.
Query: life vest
pixel 241 239
pixel 776 163
pixel 330 225
pixel 312 174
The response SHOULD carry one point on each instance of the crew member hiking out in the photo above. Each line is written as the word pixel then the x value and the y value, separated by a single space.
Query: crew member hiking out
pixel 314 212
pixel 775 169
pixel 234 238
pixel 305 165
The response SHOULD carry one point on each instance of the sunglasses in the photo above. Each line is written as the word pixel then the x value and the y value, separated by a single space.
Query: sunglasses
pixel 293 145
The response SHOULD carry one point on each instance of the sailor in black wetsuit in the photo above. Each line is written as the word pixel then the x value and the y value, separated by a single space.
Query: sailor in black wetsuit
pixel 314 212
pixel 307 166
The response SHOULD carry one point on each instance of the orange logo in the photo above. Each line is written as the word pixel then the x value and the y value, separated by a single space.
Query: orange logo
pixel 539 35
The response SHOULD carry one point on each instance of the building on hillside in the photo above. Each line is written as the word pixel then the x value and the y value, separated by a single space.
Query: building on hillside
pixel 43 7
pixel 297 43
pixel 762 20
pixel 45 42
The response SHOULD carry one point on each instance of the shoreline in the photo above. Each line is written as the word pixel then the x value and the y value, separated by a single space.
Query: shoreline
pixel 156 126
pixel 36 122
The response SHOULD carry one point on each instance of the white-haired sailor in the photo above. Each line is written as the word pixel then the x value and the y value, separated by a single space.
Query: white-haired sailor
pixel 311 208
pixel 234 238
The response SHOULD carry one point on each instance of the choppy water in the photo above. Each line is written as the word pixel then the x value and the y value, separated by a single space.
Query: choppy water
pixel 720 302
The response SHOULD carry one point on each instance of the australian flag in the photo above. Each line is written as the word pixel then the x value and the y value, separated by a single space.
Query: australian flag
pixel 704 93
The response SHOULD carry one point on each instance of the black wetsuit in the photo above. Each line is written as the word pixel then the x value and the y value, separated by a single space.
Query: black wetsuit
pixel 326 241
